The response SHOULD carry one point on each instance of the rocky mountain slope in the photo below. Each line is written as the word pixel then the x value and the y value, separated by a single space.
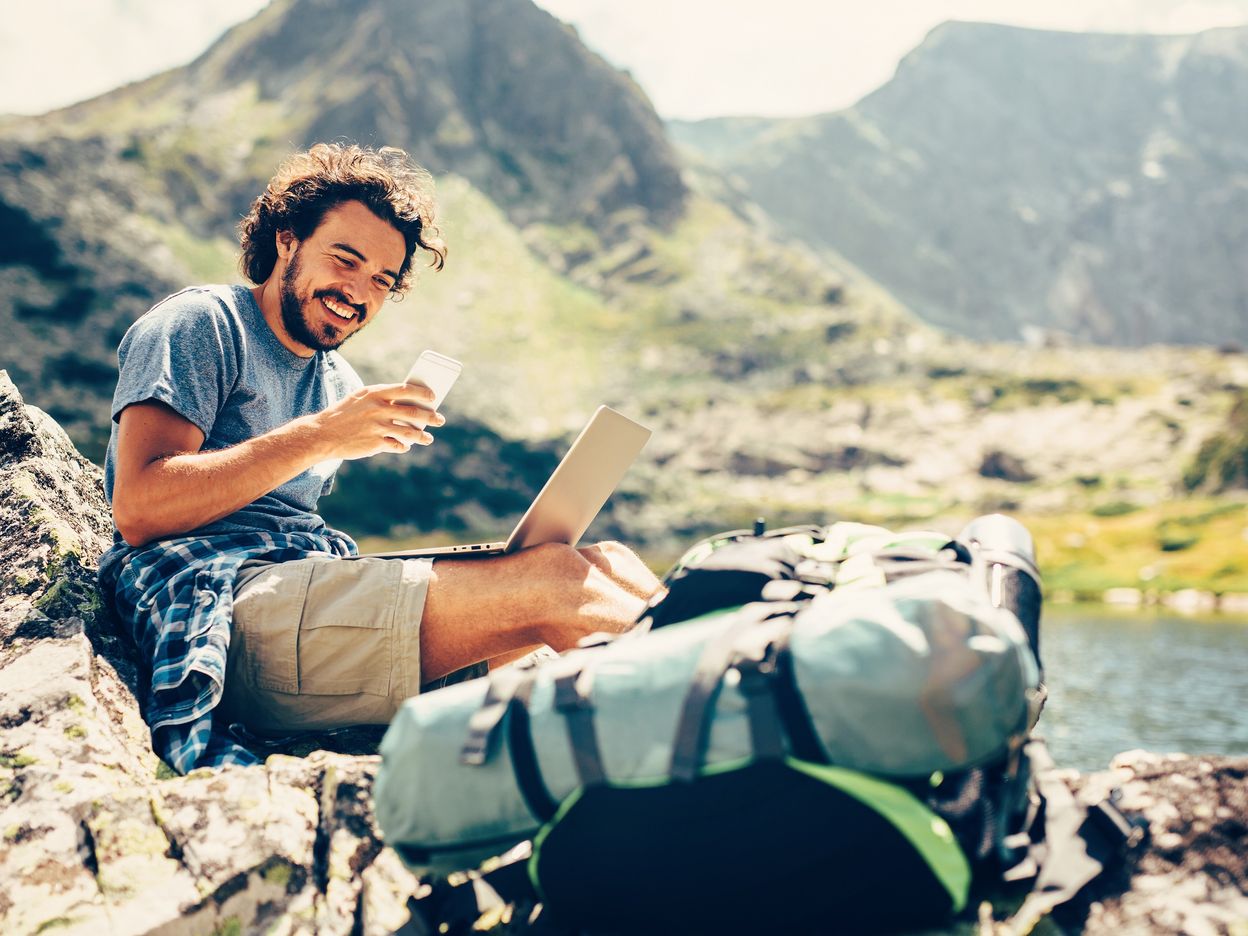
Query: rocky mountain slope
pixel 1008 181
pixel 100 837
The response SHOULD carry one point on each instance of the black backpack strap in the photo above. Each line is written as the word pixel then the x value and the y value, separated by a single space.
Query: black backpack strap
pixel 758 671
pixel 529 780
pixel 506 703
pixel 1078 844
pixel 804 740
pixel 689 745
pixel 901 563
pixel 572 700
pixel 483 726
pixel 774 705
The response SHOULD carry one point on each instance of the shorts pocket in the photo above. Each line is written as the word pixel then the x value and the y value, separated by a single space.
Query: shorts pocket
pixel 268 610
pixel 346 638
pixel 265 638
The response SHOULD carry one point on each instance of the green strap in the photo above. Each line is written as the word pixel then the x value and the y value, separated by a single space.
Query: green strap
pixel 930 835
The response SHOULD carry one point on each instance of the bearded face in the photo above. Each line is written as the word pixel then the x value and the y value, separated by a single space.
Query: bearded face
pixel 304 311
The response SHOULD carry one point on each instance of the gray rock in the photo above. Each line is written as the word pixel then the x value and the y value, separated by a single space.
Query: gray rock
pixel 98 836
pixel 1193 878
pixel 96 833
pixel 1003 465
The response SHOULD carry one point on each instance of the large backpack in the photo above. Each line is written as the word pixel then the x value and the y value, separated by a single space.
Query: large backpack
pixel 816 729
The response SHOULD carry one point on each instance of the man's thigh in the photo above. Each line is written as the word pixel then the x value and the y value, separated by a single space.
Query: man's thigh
pixel 322 643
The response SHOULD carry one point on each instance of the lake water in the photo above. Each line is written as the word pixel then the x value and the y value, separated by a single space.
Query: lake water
pixel 1153 680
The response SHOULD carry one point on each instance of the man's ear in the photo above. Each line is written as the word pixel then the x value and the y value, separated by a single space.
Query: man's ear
pixel 286 244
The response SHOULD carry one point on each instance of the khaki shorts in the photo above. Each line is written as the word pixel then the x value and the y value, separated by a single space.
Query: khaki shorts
pixel 323 643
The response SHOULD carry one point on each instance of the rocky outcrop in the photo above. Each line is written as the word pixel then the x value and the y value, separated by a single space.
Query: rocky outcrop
pixel 98 836
pixel 96 833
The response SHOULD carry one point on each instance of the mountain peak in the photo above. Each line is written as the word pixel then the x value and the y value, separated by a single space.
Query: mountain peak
pixel 498 91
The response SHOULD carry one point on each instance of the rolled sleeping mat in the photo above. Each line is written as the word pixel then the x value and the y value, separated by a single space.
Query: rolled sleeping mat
pixel 918 676
pixel 1004 562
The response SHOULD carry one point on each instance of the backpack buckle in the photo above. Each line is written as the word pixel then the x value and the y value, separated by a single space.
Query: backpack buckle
pixel 756 672
pixel 1128 832
pixel 758 688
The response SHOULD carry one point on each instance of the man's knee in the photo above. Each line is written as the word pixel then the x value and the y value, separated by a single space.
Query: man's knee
pixel 623 566
pixel 605 555
pixel 556 561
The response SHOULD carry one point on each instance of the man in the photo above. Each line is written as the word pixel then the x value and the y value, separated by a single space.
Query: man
pixel 232 413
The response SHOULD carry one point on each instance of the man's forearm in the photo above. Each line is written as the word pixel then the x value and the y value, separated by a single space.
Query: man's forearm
pixel 165 486
pixel 181 491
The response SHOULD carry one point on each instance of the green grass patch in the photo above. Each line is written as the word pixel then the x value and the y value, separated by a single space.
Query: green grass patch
pixel 20 759
pixel 208 260
pixel 1201 544
pixel 278 874
pixel 55 923
pixel 897 510
pixel 1117 508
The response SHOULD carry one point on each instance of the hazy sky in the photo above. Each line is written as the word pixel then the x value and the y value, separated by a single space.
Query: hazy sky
pixel 695 58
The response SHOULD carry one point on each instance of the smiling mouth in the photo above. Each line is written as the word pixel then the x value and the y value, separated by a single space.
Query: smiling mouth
pixel 346 313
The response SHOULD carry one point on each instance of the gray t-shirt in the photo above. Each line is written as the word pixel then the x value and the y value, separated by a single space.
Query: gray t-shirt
pixel 208 353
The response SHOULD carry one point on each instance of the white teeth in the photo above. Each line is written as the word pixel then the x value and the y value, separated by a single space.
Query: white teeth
pixel 338 310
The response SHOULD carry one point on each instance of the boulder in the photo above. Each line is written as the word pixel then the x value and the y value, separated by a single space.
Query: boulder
pixel 98 836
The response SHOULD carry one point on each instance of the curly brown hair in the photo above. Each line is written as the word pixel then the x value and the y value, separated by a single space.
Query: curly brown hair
pixel 307 185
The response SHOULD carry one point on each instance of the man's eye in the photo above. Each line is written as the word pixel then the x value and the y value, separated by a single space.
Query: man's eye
pixel 382 282
pixel 345 261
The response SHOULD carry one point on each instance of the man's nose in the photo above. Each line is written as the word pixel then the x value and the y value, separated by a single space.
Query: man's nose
pixel 355 287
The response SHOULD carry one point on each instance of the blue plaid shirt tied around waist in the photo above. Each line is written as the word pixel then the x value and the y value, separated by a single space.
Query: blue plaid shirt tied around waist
pixel 179 596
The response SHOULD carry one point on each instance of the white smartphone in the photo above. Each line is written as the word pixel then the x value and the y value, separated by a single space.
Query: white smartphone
pixel 437 372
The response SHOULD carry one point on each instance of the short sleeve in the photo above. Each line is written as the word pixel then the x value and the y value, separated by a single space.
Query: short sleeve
pixel 340 377
pixel 183 354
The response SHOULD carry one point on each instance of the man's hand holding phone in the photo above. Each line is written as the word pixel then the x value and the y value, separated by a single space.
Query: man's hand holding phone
pixel 437 372
pixel 364 423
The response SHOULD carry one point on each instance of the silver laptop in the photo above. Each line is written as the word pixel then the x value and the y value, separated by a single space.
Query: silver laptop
pixel 573 494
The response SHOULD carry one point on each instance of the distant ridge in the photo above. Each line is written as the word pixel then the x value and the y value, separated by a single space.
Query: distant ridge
pixel 1008 180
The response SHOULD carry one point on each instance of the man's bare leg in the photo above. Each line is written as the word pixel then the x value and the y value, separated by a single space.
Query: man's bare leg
pixel 624 567
pixel 487 609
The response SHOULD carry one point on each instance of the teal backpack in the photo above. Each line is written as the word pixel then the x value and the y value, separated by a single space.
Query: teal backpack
pixel 816 729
